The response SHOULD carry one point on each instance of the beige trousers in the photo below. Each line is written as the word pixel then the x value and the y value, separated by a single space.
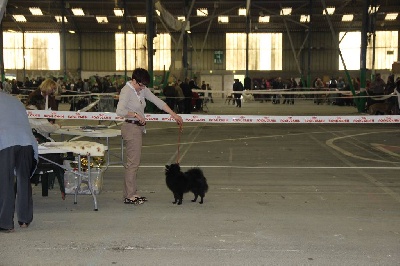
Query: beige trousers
pixel 132 135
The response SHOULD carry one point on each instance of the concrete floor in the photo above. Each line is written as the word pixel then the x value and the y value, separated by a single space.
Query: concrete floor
pixel 279 195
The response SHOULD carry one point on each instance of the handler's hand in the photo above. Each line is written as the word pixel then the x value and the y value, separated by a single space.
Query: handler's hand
pixel 178 119
pixel 141 119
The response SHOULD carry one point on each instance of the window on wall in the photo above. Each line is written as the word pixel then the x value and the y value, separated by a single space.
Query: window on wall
pixel 265 51
pixel 386 49
pixel 162 49
pixel 42 51
pixel 350 47
pixel 13 53
pixel 136 51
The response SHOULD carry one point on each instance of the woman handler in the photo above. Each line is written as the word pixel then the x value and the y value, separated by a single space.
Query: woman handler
pixel 131 106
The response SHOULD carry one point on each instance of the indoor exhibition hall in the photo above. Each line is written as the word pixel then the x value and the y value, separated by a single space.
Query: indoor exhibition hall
pixel 184 132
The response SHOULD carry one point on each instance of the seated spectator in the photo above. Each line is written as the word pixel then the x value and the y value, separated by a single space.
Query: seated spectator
pixel 196 102
pixel 180 100
pixel 14 87
pixel 42 128
pixel 397 92
pixel 41 125
pixel 390 85
pixel 7 86
pixel 95 88
pixel 45 93
pixel 376 88
pixel 319 86
pixel 170 94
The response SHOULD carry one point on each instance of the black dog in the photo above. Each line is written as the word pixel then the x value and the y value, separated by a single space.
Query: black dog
pixel 181 182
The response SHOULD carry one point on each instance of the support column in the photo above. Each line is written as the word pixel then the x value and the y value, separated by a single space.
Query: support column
pixel 363 58
pixel 185 55
pixel 63 41
pixel 125 50
pixel 247 44
pixel 184 35
pixel 309 85
pixel 3 74
pixel 3 5
pixel 150 35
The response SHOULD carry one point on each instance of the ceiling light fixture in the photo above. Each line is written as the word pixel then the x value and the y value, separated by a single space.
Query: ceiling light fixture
pixel 391 16
pixel 78 11
pixel 373 9
pixel 119 12
pixel 202 12
pixel 59 19
pixel 101 19
pixel 263 19
pixel 348 17
pixel 141 20
pixel 286 11
pixel 305 18
pixel 242 11
pixel 36 11
pixel 223 19
pixel 19 18
pixel 330 10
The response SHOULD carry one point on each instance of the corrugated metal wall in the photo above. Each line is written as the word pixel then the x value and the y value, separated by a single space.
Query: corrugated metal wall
pixel 96 52
pixel 90 52
pixel 201 50
pixel 324 53
pixel 205 60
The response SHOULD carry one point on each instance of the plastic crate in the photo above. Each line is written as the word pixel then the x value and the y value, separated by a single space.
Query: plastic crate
pixel 71 181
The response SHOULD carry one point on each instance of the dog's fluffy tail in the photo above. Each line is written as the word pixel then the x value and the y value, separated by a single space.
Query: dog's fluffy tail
pixel 196 174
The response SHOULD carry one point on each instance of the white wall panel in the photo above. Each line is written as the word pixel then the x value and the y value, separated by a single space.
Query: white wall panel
pixel 216 84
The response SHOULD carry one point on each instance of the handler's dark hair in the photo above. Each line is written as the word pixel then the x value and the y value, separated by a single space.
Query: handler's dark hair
pixel 141 75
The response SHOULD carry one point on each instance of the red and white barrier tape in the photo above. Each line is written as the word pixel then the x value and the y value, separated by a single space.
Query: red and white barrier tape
pixel 233 119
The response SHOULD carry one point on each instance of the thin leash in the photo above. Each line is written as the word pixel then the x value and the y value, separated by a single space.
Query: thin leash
pixel 179 142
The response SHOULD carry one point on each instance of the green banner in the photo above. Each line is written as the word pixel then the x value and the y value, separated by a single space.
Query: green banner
pixel 218 57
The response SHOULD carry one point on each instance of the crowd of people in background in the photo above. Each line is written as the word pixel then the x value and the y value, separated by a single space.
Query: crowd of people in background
pixel 96 84
pixel 376 87
pixel 277 83
pixel 66 88
pixel 180 95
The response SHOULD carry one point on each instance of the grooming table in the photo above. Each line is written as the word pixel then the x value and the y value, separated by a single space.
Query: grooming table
pixel 95 132
pixel 81 148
